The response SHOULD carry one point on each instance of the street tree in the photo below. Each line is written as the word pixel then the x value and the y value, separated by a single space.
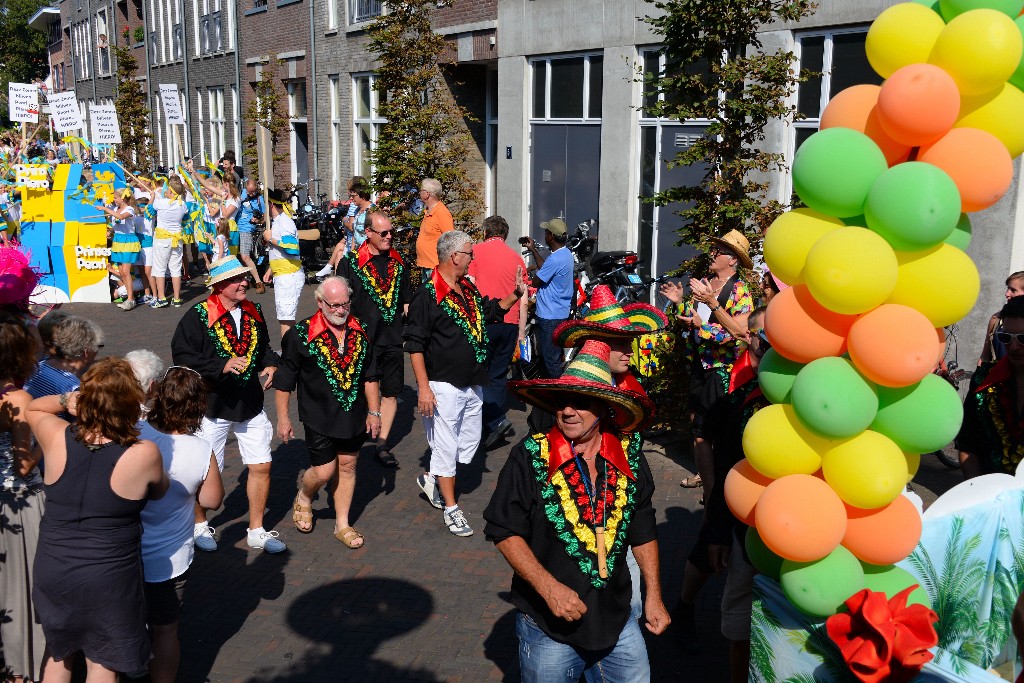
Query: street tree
pixel 426 134
pixel 267 110
pixel 136 150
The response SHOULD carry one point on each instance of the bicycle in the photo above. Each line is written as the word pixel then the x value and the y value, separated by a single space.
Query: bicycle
pixel 949 369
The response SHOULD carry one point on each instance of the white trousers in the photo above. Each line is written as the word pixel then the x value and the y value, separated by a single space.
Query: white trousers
pixel 453 432
pixel 254 436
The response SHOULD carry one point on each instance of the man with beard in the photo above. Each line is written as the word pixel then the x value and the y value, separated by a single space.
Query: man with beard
pixel 329 358
pixel 380 299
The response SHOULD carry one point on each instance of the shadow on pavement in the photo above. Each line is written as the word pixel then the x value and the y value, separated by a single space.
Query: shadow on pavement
pixel 502 646
pixel 353 619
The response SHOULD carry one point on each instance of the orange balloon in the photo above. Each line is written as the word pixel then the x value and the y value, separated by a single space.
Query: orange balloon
pixel 743 486
pixel 803 330
pixel 799 517
pixel 978 163
pixel 918 104
pixel 855 108
pixel 893 345
pixel 885 535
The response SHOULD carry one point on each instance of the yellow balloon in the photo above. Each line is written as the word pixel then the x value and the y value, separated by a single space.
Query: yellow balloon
pixel 913 464
pixel 777 444
pixel 942 283
pixel 851 270
pixel 901 35
pixel 868 471
pixel 997 114
pixel 980 49
pixel 790 237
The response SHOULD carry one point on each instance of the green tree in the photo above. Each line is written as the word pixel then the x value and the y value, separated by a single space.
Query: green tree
pixel 136 150
pixel 266 109
pixel 23 49
pixel 718 70
pixel 426 134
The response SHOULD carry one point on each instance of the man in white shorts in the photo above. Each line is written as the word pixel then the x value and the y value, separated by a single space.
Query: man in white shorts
pixel 225 339
pixel 446 338
pixel 282 239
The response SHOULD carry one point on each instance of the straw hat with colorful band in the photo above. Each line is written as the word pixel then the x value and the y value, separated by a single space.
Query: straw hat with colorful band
pixel 225 269
pixel 735 242
pixel 607 319
pixel 588 375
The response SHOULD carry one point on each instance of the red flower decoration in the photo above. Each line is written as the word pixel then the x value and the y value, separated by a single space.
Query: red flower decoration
pixel 884 640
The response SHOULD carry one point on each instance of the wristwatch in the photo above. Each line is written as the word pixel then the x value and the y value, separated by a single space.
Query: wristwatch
pixel 63 398
pixel 370 412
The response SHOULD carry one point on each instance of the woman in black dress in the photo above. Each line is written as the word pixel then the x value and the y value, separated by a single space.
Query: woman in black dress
pixel 88 573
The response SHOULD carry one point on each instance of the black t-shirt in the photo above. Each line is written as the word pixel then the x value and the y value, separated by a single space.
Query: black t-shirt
pixel 524 497
pixel 380 291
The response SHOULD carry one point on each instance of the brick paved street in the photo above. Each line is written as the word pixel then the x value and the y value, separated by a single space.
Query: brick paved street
pixel 416 603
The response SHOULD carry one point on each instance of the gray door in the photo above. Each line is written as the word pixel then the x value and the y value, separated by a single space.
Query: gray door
pixel 565 176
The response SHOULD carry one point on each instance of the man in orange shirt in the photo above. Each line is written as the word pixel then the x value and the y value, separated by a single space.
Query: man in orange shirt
pixel 437 219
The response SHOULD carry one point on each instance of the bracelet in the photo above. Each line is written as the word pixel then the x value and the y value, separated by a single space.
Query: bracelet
pixel 370 412
pixel 715 308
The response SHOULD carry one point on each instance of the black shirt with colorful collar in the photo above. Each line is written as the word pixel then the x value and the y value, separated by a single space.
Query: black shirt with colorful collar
pixel 450 331
pixel 329 377
pixel 207 336
pixel 542 498
pixel 380 291
pixel 992 429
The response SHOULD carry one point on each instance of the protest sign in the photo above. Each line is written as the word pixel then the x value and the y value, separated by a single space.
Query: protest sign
pixel 23 99
pixel 172 104
pixel 64 111
pixel 105 128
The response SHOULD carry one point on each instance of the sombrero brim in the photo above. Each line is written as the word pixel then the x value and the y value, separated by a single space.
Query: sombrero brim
pixel 744 258
pixel 643 319
pixel 227 275
pixel 631 411
pixel 646 316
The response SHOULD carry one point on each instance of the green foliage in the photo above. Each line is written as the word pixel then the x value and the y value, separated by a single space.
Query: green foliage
pixel 425 135
pixel 23 49
pixel 266 109
pixel 673 372
pixel 140 34
pixel 713 49
pixel 136 150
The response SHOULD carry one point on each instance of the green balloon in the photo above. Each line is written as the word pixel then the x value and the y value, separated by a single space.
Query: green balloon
pixel 931 4
pixel 913 206
pixel 832 399
pixel 775 376
pixel 763 559
pixel 950 9
pixel 961 235
pixel 834 170
pixel 820 588
pixel 920 418
pixel 890 579
pixel 859 221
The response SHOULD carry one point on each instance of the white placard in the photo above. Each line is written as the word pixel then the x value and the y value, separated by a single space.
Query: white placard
pixel 23 102
pixel 172 104
pixel 105 128
pixel 64 111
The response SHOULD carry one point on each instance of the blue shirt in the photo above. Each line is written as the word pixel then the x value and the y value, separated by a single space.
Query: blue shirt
pixel 245 209
pixel 554 297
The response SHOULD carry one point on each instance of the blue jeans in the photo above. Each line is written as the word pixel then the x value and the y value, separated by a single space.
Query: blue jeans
pixel 543 660
pixel 502 338
pixel 552 355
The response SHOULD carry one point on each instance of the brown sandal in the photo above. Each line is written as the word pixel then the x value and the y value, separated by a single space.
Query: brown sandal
pixel 302 514
pixel 348 536
pixel 692 482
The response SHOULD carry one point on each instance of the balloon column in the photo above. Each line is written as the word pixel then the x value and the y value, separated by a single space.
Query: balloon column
pixel 877 267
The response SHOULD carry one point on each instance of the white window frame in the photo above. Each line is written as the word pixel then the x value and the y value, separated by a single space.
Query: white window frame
pixel 218 123
pixel 362 11
pixel 103 27
pixel 291 88
pixel 199 118
pixel 372 119
pixel 334 89
pixel 159 134
pixel 236 116
pixel 490 135
pixel 546 60
pixel 332 14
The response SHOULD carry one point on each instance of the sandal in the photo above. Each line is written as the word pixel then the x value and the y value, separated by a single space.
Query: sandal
pixel 302 514
pixel 385 457
pixel 348 536
pixel 692 482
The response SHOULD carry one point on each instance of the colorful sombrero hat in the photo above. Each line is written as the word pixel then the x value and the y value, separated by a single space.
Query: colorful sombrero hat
pixel 225 269
pixel 607 319
pixel 588 375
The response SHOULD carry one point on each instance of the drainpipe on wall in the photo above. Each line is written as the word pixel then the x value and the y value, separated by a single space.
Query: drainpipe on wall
pixel 316 121
pixel 188 91
pixel 148 47
pixel 238 94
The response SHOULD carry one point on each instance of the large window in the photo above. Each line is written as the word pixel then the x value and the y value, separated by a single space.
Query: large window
pixel 213 26
pixel 567 88
pixel 367 122
pixel 83 42
pixel 332 14
pixel 236 116
pixel 218 123
pixel 360 11
pixel 102 44
pixel 337 135
pixel 197 115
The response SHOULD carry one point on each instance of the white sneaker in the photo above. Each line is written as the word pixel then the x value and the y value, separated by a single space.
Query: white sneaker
pixel 127 304
pixel 433 491
pixel 203 537
pixel 325 271
pixel 456 522
pixel 266 541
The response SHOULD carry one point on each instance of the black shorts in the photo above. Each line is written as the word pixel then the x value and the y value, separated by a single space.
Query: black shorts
pixel 324 449
pixel 707 388
pixel 391 366
pixel 163 600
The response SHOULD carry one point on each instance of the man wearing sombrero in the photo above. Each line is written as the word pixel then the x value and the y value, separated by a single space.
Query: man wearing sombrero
pixel 282 239
pixel 225 339
pixel 716 317
pixel 566 507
